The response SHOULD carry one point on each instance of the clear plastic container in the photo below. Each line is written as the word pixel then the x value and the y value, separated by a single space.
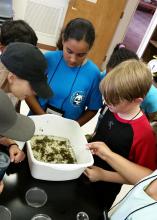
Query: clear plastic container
pixel 82 216
pixel 41 217
pixel 5 213
pixel 36 197
pixel 4 163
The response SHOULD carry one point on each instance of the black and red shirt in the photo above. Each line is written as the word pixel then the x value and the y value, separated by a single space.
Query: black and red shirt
pixel 132 139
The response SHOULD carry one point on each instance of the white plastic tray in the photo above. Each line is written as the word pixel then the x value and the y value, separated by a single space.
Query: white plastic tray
pixel 50 124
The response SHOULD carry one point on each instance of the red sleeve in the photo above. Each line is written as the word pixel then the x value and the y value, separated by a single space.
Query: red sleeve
pixel 144 149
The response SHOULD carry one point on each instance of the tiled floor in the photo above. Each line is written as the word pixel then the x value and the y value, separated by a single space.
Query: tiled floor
pixel 87 129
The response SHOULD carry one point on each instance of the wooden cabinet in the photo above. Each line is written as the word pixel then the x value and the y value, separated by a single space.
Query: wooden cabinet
pixel 151 48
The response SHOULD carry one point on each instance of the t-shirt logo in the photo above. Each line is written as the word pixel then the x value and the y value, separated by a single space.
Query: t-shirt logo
pixel 110 124
pixel 77 98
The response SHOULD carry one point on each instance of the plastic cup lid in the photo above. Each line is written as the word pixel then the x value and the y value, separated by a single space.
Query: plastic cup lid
pixel 36 197
pixel 5 213
pixel 82 216
pixel 41 217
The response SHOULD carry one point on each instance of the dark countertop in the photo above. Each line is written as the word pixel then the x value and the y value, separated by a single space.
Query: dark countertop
pixel 65 198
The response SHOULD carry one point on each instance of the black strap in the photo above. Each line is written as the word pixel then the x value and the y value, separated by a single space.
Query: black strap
pixel 55 69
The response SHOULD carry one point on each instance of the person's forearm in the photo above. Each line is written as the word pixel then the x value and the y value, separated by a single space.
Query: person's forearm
pixel 86 117
pixel 114 177
pixel 6 141
pixel 34 105
pixel 129 170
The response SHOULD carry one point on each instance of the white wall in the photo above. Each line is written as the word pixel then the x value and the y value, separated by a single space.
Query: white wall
pixel 46 17
pixel 19 7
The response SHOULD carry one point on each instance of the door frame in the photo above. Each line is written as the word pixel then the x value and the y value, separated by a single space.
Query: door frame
pixel 147 35
pixel 122 27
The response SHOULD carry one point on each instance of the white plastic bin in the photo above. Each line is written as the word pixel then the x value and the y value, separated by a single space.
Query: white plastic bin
pixel 50 124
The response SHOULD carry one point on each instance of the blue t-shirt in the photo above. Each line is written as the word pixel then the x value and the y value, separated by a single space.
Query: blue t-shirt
pixel 149 104
pixel 75 88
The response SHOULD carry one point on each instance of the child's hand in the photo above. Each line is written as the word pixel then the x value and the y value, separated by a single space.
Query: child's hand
pixel 100 149
pixel 16 155
pixel 1 186
pixel 94 173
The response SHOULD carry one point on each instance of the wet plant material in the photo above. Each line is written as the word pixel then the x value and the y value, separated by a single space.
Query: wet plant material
pixel 52 149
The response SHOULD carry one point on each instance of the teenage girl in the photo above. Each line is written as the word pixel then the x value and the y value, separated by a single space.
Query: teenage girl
pixel 73 78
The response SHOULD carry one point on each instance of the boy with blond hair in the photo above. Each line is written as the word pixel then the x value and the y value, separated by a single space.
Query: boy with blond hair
pixel 124 128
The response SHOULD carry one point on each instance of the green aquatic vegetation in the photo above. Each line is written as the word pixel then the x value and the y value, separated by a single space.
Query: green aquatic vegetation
pixel 52 149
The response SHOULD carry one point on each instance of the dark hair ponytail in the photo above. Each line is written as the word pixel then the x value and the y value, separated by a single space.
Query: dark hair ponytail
pixel 78 29
pixel 120 54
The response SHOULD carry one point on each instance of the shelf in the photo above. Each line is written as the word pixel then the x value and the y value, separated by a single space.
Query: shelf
pixel 154 43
